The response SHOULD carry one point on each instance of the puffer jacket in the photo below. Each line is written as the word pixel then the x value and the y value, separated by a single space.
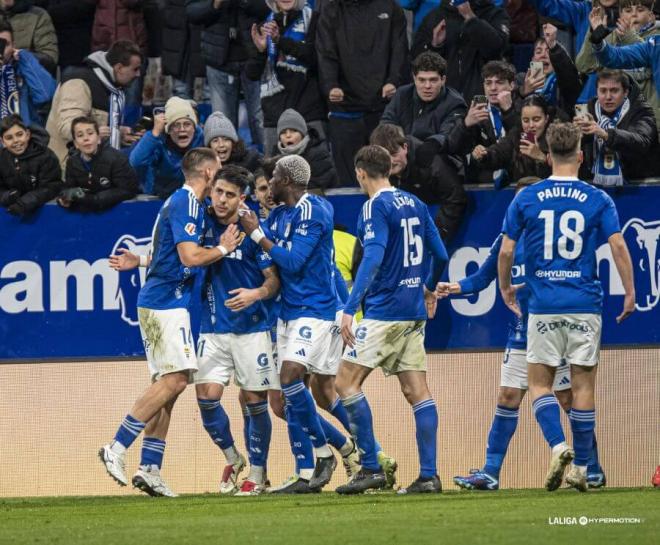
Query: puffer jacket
pixel 119 20
pixel 182 52
pixel 316 153
pixel 31 179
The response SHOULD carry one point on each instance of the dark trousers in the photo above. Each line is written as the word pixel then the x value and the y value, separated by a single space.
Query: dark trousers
pixel 347 136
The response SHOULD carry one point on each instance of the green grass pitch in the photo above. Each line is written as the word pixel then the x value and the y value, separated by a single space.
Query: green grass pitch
pixel 505 517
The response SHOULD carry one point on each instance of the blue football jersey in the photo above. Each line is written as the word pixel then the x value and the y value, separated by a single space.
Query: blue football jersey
pixel 564 221
pixel 401 224
pixel 169 284
pixel 304 255
pixel 239 269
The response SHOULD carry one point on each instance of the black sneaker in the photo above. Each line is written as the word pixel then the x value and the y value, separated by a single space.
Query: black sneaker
pixel 364 480
pixel 293 485
pixel 323 471
pixel 430 485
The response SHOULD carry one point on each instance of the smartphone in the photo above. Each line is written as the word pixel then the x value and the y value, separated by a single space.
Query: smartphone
pixel 528 137
pixel 480 99
pixel 582 110
pixel 158 110
pixel 536 68
pixel 146 123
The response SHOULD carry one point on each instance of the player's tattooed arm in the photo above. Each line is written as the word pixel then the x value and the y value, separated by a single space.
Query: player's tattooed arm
pixel 623 264
pixel 504 264
pixel 244 297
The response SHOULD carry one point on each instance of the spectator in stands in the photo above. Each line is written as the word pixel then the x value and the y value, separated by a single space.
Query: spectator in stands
pixel 97 176
pixel 487 123
pixel 226 34
pixel 297 138
pixel 363 57
pixel 433 184
pixel 33 30
pixel 157 156
pixel 24 83
pixel 220 135
pixel 182 54
pixel 30 173
pixel 620 141
pixel 95 90
pixel 427 109
pixel 419 9
pixel 284 60
pixel 468 34
pixel 524 22
pixel 73 20
pixel 522 153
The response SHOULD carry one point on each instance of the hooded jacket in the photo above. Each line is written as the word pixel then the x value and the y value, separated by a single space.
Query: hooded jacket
pixel 35 87
pixel 119 20
pixel 80 93
pixel 36 175
pixel 108 179
pixel 468 44
pixel 362 45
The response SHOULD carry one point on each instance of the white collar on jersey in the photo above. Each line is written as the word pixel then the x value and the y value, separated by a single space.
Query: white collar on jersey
pixel 302 198
pixel 383 190
pixel 564 179
pixel 190 190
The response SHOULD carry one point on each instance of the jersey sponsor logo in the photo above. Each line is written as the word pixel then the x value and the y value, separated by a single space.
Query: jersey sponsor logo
pixel 302 229
pixel 558 275
pixel 262 360
pixel 361 333
pixel 411 282
pixel 305 332
pixel 543 327
pixel 190 228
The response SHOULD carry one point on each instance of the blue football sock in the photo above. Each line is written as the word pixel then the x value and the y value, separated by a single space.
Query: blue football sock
pixel 260 432
pixel 301 446
pixel 594 463
pixel 304 409
pixel 582 426
pixel 546 410
pixel 426 432
pixel 339 412
pixel 128 431
pixel 216 422
pixel 502 429
pixel 153 450
pixel 359 414
pixel 246 428
pixel 336 438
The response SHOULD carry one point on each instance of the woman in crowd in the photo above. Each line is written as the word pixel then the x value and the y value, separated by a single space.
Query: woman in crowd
pixel 220 135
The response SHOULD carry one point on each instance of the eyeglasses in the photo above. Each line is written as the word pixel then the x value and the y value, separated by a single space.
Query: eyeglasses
pixel 183 126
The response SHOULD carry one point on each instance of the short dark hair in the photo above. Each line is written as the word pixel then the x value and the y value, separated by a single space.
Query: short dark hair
pixel 500 69
pixel 268 166
pixel 121 52
pixel 236 175
pixel 630 3
pixel 390 137
pixel 563 140
pixel 429 62
pixel 12 121
pixel 615 75
pixel 5 26
pixel 83 120
pixel 374 160
pixel 195 159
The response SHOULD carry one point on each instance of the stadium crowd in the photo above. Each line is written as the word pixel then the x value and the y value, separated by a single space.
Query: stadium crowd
pixel 457 91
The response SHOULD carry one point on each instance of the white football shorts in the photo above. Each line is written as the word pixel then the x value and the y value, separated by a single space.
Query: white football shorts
pixel 575 338
pixel 514 371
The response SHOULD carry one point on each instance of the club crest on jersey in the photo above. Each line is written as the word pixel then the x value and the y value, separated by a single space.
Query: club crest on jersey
pixel 190 228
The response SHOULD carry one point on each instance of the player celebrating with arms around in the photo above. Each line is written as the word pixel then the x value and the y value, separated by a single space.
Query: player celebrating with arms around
pixel 394 228
pixel 563 220
pixel 163 305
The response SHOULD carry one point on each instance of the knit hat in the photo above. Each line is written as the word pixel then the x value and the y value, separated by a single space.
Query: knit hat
pixel 295 168
pixel 218 124
pixel 178 108
pixel 291 119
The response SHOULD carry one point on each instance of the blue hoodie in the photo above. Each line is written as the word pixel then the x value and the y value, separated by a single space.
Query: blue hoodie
pixel 159 165
pixel 37 88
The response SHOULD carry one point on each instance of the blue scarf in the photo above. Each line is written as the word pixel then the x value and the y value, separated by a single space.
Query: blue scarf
pixel 499 176
pixel 115 108
pixel 9 99
pixel 607 166
pixel 296 32
pixel 549 89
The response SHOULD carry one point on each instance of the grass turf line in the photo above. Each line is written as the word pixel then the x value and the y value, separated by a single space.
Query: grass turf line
pixel 504 517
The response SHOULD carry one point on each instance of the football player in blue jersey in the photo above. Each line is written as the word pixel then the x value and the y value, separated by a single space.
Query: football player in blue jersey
pixel 563 220
pixel 395 230
pixel 235 336
pixel 300 243
pixel 163 305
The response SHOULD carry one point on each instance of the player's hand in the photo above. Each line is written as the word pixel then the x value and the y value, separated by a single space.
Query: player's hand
pixel 389 91
pixel 249 220
pixel 431 302
pixel 510 300
pixel 336 95
pixel 125 260
pixel 347 330
pixel 243 298
pixel 231 238
pixel 445 289
pixel 628 308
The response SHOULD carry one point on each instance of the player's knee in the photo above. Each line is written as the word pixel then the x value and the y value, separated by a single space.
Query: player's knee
pixel 291 372
pixel 565 399
pixel 178 383
pixel 510 397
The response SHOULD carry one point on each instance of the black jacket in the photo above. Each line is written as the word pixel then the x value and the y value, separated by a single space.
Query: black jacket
pixel 468 44
pixel 301 90
pixel 635 139
pixel 99 92
pixel 426 120
pixel 73 20
pixel 35 175
pixel 108 179
pixel 182 44
pixel 362 45
pixel 246 158
pixel 225 30
pixel 324 175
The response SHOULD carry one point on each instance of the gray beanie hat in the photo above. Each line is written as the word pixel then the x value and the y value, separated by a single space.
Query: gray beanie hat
pixel 295 168
pixel 218 124
pixel 291 119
